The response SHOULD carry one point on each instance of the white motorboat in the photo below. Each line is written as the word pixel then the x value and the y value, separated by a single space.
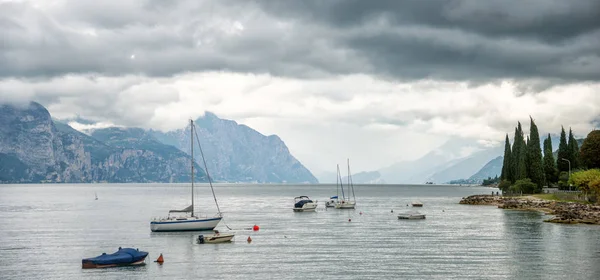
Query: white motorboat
pixel 332 201
pixel 304 204
pixel 345 202
pixel 186 219
pixel 411 215
pixel 217 237
pixel 417 204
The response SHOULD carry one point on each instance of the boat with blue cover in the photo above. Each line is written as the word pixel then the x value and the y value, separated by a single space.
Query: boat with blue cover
pixel 123 257
pixel 304 204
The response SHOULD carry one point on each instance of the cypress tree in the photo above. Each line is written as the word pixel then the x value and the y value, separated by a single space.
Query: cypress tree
pixel 563 152
pixel 506 165
pixel 549 163
pixel 534 155
pixel 574 155
pixel 518 154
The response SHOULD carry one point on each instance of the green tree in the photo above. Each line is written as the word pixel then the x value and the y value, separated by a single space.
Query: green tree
pixel 524 185
pixel 534 157
pixel 519 155
pixel 573 151
pixel 563 152
pixel 590 150
pixel 549 162
pixel 506 165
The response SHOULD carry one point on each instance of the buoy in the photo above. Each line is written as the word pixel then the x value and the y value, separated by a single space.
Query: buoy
pixel 160 259
pixel 349 220
pixel 392 211
pixel 360 212
pixel 249 239
pixel 255 228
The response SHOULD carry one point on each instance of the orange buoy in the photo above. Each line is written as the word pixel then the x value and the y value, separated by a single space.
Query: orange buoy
pixel 255 228
pixel 160 259
pixel 249 239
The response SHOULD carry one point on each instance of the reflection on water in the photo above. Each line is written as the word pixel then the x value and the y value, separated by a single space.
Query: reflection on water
pixel 46 230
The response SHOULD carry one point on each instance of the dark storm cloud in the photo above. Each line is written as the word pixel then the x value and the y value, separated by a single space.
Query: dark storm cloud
pixel 476 41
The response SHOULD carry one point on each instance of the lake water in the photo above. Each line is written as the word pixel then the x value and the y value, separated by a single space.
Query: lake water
pixel 45 231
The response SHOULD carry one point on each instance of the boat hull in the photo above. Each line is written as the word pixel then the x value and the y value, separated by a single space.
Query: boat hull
pixel 185 225
pixel 417 217
pixel 214 238
pixel 346 205
pixel 91 265
pixel 308 207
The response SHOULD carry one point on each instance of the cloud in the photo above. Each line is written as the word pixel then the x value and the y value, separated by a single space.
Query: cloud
pixel 396 40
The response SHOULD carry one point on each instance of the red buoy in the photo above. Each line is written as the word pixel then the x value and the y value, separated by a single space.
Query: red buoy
pixel 255 228
pixel 249 239
pixel 349 220
pixel 160 259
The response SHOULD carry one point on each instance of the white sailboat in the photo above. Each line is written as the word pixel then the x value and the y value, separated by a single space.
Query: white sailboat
pixel 186 219
pixel 345 202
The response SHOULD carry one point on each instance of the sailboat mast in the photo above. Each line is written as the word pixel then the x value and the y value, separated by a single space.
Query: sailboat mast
pixel 192 158
pixel 337 182
pixel 341 183
pixel 348 179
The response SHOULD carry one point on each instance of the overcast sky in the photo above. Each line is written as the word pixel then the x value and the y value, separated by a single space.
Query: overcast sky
pixel 375 81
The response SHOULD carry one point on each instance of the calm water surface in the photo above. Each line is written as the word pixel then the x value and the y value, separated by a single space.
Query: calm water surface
pixel 45 231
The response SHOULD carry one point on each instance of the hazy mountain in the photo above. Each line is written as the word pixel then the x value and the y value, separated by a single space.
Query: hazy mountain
pixel 490 170
pixel 467 166
pixel 371 177
pixel 35 149
pixel 238 153
pixel 423 169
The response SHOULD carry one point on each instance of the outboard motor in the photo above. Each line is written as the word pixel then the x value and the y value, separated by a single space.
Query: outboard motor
pixel 200 239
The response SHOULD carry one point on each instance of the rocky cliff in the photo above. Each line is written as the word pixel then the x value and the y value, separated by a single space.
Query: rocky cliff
pixel 33 149
pixel 238 153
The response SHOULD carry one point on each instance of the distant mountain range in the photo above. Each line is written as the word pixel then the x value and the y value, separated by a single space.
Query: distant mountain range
pixel 34 148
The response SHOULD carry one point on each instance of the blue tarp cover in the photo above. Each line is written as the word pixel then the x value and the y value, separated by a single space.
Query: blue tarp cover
pixel 123 256
pixel 334 197
pixel 301 203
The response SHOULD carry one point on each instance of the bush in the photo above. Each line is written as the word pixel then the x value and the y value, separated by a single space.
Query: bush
pixel 563 180
pixel 504 185
pixel 525 186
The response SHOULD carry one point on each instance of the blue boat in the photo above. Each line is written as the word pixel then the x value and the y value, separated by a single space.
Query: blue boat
pixel 123 257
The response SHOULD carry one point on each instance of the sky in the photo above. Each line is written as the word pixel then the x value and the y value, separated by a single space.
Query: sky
pixel 374 81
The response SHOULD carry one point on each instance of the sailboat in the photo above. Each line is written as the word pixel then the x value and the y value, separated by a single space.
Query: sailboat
pixel 189 221
pixel 345 202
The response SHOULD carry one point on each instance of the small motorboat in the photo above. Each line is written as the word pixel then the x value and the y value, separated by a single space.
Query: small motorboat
pixel 332 201
pixel 417 204
pixel 215 238
pixel 304 204
pixel 411 215
pixel 123 257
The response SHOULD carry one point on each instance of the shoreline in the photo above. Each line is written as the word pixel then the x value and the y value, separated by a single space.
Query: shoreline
pixel 563 212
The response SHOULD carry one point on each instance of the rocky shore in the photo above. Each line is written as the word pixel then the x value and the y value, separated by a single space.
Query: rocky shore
pixel 563 212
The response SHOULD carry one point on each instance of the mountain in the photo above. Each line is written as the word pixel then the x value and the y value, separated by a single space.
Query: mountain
pixel 33 148
pixel 424 169
pixel 238 153
pixel 490 170
pixel 467 166
pixel 371 177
